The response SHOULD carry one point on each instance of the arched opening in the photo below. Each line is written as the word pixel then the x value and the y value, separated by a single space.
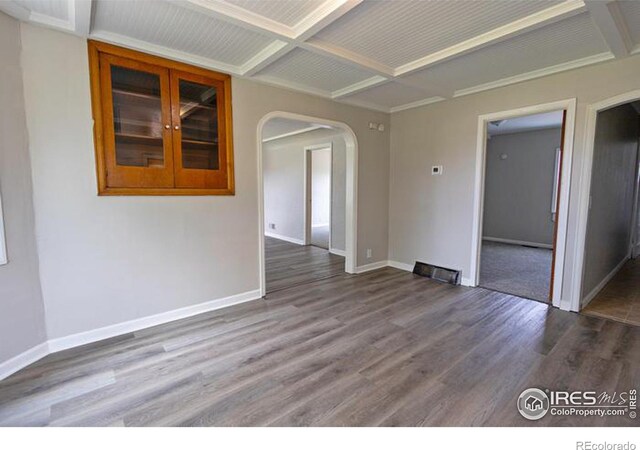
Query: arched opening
pixel 350 188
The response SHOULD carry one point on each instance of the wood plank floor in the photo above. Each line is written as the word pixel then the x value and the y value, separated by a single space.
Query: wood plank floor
pixel 620 298
pixel 290 265
pixel 381 348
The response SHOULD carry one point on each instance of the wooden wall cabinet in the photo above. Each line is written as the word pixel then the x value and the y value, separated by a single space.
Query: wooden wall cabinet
pixel 160 127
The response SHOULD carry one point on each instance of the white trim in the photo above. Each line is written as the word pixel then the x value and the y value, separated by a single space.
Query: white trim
pixel 3 243
pixel 351 207
pixel 87 337
pixel 372 266
pixel 468 282
pixel 569 105
pixel 400 265
pixel 419 103
pixel 265 57
pixel 336 251
pixel 22 360
pixel 293 133
pixel 322 17
pixel 517 242
pixel 584 190
pixel 284 238
pixel 360 86
pixel 80 14
pixel 591 295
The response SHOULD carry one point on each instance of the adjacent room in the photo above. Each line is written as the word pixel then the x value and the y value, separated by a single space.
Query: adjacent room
pixel 611 279
pixel 522 172
pixel 339 213
pixel 304 178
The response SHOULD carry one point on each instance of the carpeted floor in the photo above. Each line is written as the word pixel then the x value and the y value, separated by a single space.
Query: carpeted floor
pixel 517 270
pixel 320 236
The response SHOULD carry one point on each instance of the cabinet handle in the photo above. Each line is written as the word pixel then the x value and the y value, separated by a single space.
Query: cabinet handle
pixel 176 127
pixel 167 126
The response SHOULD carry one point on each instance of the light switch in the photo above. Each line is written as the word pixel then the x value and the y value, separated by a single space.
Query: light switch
pixel 436 170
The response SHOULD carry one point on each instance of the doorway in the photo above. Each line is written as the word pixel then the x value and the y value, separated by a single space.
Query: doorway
pixel 288 145
pixel 319 161
pixel 522 200
pixel 610 285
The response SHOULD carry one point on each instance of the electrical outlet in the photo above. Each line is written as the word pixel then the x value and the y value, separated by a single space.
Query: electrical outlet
pixel 272 226
pixel 368 253
pixel 436 170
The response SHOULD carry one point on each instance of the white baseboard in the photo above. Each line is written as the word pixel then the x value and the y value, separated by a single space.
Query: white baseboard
pixel 284 238
pixel 401 266
pixel 335 251
pixel 22 360
pixel 55 345
pixel 373 266
pixel 516 242
pixel 590 296
pixel 87 337
pixel 464 281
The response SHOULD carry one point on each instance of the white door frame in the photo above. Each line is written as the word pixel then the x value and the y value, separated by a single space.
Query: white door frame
pixel 351 207
pixel 569 105
pixel 585 187
pixel 308 198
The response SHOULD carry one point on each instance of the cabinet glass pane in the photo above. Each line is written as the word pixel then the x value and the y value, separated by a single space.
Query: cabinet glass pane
pixel 137 118
pixel 199 123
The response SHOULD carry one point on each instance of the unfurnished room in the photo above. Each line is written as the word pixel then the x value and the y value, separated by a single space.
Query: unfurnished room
pixel 320 213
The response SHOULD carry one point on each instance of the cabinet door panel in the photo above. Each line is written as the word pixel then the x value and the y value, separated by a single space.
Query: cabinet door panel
pixel 199 138
pixel 137 123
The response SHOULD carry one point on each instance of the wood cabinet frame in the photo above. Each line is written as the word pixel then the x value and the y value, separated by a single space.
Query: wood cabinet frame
pixel 174 70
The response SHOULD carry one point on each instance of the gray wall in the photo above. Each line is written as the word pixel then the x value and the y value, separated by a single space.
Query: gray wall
pixel 283 166
pixel 107 260
pixel 22 323
pixel 431 217
pixel 518 189
pixel 612 190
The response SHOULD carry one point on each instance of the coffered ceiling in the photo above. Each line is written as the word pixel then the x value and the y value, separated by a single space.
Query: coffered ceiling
pixel 383 55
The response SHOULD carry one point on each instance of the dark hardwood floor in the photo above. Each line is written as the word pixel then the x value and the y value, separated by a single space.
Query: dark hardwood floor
pixel 381 348
pixel 290 265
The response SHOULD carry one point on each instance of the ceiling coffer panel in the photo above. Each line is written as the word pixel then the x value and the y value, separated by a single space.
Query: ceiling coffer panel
pixel 286 12
pixel 559 43
pixel 178 28
pixel 315 71
pixel 399 32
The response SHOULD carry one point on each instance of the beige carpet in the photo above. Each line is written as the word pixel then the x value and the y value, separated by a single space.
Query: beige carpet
pixel 516 270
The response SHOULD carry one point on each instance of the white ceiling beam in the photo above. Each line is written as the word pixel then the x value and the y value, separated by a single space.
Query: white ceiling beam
pixel 80 14
pixel 294 133
pixel 15 10
pixel 322 17
pixel 608 18
pixel 330 11
pixel 360 86
pixel 532 22
pixel 270 54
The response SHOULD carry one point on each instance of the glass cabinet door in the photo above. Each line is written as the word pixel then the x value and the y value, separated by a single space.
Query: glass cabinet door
pixel 137 123
pixel 199 149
